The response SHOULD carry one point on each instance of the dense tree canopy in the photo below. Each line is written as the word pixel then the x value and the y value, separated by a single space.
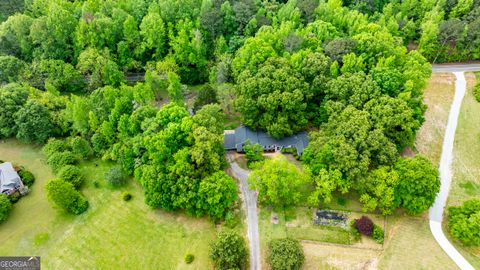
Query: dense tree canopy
pixel 12 98
pixel 96 71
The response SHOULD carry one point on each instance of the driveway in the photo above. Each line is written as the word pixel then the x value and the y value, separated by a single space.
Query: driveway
pixel 250 206
pixel 436 211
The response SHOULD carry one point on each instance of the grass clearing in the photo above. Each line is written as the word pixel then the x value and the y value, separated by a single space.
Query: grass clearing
pixel 412 246
pixel 438 96
pixel 331 257
pixel 112 234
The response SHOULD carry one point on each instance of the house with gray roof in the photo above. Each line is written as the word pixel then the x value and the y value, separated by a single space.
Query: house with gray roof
pixel 236 139
pixel 10 181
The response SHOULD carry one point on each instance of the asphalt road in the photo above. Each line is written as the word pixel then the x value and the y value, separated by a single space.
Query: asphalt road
pixel 436 211
pixel 250 206
pixel 455 67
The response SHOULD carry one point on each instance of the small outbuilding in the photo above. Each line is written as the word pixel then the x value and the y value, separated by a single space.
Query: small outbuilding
pixel 236 139
pixel 10 181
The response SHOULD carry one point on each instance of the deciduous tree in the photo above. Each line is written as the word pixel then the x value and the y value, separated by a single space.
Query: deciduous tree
pixel 419 184
pixel 285 254
pixel 63 195
pixel 278 182
pixel 228 251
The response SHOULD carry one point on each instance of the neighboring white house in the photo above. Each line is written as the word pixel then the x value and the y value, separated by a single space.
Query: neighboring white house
pixel 10 181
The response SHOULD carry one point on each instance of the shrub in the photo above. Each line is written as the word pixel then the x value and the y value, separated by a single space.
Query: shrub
pixel 378 234
pixel 5 207
pixel 126 196
pixel 59 160
pixel 54 146
pixel 476 92
pixel 253 152
pixel 65 196
pixel 285 254
pixel 364 225
pixel 27 177
pixel 81 147
pixel 71 174
pixel 96 184
pixel 228 251
pixel 231 220
pixel 15 197
pixel 206 95
pixel 189 258
pixel 115 177
pixel 341 201
pixel 464 222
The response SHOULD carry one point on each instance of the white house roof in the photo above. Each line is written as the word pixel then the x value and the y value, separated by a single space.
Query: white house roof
pixel 9 178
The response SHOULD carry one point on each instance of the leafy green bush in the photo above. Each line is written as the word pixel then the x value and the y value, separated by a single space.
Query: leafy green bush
pixel 341 201
pixel 189 258
pixel 206 95
pixel 354 231
pixel 253 152
pixel 15 197
pixel 378 234
pixel 71 174
pixel 464 222
pixel 5 207
pixel 285 254
pixel 476 91
pixel 81 147
pixel 61 159
pixel 115 177
pixel 54 146
pixel 27 177
pixel 231 220
pixel 65 196
pixel 228 251
pixel 126 196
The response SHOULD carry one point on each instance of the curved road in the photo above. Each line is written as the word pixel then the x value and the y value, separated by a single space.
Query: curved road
pixel 436 211
pixel 250 206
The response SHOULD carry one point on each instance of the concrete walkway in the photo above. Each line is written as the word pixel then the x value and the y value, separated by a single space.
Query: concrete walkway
pixel 436 211
pixel 250 205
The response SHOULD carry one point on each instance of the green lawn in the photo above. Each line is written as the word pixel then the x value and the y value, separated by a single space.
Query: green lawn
pixel 112 234
pixel 412 246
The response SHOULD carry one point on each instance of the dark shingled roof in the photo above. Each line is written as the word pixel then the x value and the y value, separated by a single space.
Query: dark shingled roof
pixel 235 139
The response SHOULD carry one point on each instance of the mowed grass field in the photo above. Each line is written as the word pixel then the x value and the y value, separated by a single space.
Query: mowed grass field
pixel 466 162
pixel 112 234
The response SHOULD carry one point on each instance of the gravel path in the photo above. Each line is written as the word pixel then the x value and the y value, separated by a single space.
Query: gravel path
pixel 250 206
